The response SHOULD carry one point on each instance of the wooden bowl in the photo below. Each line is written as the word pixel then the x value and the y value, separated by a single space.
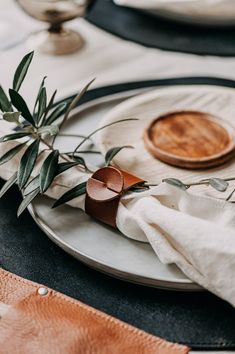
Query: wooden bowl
pixel 190 139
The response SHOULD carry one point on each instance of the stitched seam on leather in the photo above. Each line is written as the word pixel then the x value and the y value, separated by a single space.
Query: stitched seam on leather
pixel 150 338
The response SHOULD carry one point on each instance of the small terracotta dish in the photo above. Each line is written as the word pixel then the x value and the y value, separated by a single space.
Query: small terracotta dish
pixel 190 139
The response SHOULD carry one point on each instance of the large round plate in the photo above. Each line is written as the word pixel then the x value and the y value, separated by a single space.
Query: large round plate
pixel 94 244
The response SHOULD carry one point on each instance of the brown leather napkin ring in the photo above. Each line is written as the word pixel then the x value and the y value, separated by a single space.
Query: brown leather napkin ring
pixel 104 191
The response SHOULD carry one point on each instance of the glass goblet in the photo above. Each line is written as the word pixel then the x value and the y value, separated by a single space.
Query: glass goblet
pixel 56 40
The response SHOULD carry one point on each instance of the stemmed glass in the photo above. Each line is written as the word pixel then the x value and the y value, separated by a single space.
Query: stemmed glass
pixel 56 40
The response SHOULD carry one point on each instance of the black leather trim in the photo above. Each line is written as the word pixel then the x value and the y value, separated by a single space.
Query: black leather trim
pixel 155 32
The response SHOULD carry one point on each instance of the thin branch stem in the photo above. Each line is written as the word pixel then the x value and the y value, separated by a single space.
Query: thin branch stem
pixel 52 148
pixel 101 128
pixel 71 135
pixel 83 152
pixel 200 183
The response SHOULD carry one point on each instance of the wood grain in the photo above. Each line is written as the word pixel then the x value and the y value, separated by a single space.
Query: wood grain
pixel 190 139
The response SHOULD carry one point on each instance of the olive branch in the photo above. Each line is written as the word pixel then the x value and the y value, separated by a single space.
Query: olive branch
pixel 38 131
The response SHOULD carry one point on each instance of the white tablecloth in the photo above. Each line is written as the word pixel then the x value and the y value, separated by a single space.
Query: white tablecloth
pixel 104 56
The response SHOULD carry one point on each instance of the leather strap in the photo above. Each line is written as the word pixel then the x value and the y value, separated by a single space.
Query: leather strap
pixel 104 191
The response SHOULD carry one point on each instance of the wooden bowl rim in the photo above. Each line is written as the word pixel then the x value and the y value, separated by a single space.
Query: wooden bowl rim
pixel 165 156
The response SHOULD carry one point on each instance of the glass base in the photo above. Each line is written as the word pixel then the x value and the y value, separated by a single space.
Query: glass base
pixel 63 42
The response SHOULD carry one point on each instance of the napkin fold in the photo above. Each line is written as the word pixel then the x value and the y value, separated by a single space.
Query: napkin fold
pixel 197 233
pixel 223 9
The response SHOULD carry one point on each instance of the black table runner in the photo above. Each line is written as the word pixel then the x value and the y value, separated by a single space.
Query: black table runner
pixel 200 320
pixel 154 32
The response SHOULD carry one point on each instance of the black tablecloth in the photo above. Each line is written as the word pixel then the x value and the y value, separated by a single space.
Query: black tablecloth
pixel 155 32
pixel 200 320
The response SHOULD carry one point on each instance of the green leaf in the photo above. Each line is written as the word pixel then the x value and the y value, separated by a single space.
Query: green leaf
pixel 49 130
pixel 73 193
pixel 20 104
pixel 111 153
pixel 8 184
pixel 32 185
pixel 27 163
pixel 21 71
pixel 12 117
pixel 139 189
pixel 77 99
pixel 39 93
pixel 61 167
pixel 36 105
pixel 11 153
pixel 56 113
pixel 175 182
pixel 48 170
pixel 42 104
pixel 5 104
pixel 49 106
pixel 26 201
pixel 218 184
pixel 230 195
pixel 64 166
pixel 80 161
pixel 14 136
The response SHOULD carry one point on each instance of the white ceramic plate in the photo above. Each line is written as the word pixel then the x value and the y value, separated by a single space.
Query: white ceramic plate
pixel 94 244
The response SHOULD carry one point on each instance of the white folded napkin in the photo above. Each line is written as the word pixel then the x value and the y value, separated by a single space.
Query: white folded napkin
pixel 197 233
pixel 217 9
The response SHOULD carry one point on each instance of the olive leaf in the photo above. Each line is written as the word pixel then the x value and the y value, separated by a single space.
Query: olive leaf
pixel 64 166
pixel 80 160
pixel 12 117
pixel 61 167
pixel 175 182
pixel 27 163
pixel 230 195
pixel 11 153
pixel 48 170
pixel 76 100
pixel 111 153
pixel 49 106
pixel 39 93
pixel 7 185
pixel 42 104
pixel 139 188
pixel 73 193
pixel 20 104
pixel 218 184
pixel 56 113
pixel 32 185
pixel 5 104
pixel 21 71
pixel 27 200
pixel 13 136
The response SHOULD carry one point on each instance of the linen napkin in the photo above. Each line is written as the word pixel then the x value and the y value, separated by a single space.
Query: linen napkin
pixel 217 9
pixel 197 233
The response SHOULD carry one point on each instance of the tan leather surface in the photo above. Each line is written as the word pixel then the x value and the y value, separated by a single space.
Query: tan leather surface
pixel 57 324
pixel 104 190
